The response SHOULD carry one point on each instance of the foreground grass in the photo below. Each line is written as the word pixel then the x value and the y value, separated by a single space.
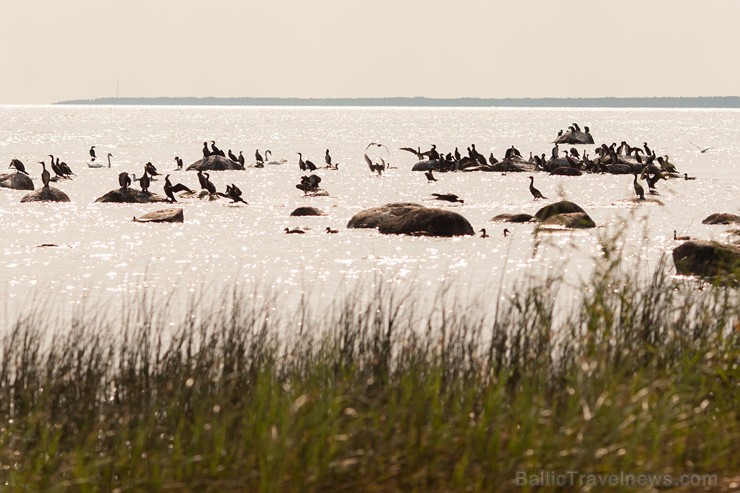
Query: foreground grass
pixel 640 376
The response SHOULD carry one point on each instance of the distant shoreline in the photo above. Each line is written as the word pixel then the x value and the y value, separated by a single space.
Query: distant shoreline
pixel 653 102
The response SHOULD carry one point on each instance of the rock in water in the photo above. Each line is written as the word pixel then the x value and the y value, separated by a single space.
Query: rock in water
pixel 577 137
pixel 308 211
pixel 16 181
pixel 573 220
pixel 722 218
pixel 130 196
pixel 44 194
pixel 562 207
pixel 215 163
pixel 371 218
pixel 512 218
pixel 162 216
pixel 707 259
pixel 429 222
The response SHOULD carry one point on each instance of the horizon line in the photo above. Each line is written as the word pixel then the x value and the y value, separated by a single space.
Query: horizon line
pixel 606 101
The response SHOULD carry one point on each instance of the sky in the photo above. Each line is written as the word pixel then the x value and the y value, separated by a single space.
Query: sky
pixel 80 49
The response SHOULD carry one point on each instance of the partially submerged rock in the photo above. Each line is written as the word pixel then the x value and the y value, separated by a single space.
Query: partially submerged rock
pixel 722 218
pixel 174 215
pixel 215 163
pixel 707 259
pixel 575 137
pixel 371 218
pixel 308 211
pixel 573 220
pixel 562 207
pixel 16 181
pixel 130 196
pixel 45 194
pixel 427 222
pixel 566 171
pixel 512 218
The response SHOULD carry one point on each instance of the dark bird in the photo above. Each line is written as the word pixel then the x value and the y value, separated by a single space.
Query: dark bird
pixel 560 132
pixel 681 238
pixel 18 165
pixel 45 175
pixel 639 191
pixel 327 158
pixel 458 156
pixel 55 167
pixel 241 158
pixel 578 129
pixel 585 129
pixel 492 160
pixel 687 177
pixel 144 181
pixel 555 151
pixel 209 184
pixel 92 153
pixel 535 193
pixel 151 169
pixel 310 166
pixel 432 153
pixel 448 197
pixel 170 190
pixel 234 193
pixel 124 180
pixel 430 176
pixel 301 162
pixel 331 231
pixel 700 149
pixel 506 232
pixel 483 233
pixel 309 183
pixel 416 152
pixel 179 162
pixel 259 160
pixel 65 169
pixel 294 231
pixel 375 168
pixel 206 151
pixel 202 180
pixel 648 152
pixel 233 157
pixel 215 150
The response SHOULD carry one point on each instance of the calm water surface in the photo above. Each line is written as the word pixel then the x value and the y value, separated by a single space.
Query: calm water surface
pixel 103 257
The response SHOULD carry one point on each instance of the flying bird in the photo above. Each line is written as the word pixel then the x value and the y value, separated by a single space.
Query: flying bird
pixel 700 149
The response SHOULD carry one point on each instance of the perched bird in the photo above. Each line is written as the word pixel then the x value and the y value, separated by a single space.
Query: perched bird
pixel 301 162
pixel 294 231
pixel 331 231
pixel 151 169
pixel 18 165
pixel 170 189
pixel 144 181
pixel 209 184
pixel 430 176
pixel 241 158
pixel 234 193
pixel 483 233
pixel 448 197
pixel 206 151
pixel 179 162
pixel 45 175
pixel 92 153
pixel 639 191
pixel 327 158
pixel 535 193
pixel 232 156
pixel 506 232
pixel 124 180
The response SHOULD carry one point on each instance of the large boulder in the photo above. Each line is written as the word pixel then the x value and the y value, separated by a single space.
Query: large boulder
pixel 566 171
pixel 373 217
pixel 16 181
pixel 428 165
pixel 427 222
pixel 619 169
pixel 308 211
pixel 573 220
pixel 513 218
pixel 722 218
pixel 130 196
pixel 174 215
pixel 576 137
pixel 562 207
pixel 45 194
pixel 215 163
pixel 707 259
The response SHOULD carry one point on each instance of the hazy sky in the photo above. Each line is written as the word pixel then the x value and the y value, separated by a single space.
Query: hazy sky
pixel 54 50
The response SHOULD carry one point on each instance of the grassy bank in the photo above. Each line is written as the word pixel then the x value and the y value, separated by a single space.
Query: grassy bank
pixel 639 376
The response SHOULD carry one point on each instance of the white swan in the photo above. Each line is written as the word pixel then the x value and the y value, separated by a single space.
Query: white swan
pixel 99 165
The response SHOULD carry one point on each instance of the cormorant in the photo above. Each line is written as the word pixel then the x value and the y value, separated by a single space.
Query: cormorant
pixel 170 190
pixel 55 167
pixel 124 180
pixel 179 162
pixel 585 129
pixel 432 153
pixel 206 151
pixel 639 191
pixel 555 151
pixel 151 169
pixel 492 160
pixel 457 154
pixel 448 197
pixel 310 166
pixel 234 193
pixel 560 132
pixel 92 153
pixel 301 162
pixel 144 181
pixel 64 168
pixel 202 180
pixel 430 176
pixel 535 193
pixel 209 184
pixel 647 149
pixel 578 129
pixel 233 157
pixel 483 233
pixel 327 158
pixel 18 165
pixel 241 158
pixel 216 150
pixel 45 175
pixel 375 168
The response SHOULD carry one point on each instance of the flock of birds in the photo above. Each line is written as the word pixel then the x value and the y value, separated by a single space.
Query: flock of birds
pixel 641 161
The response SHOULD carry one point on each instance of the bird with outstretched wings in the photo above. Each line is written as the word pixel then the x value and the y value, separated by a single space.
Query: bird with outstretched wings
pixel 702 150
